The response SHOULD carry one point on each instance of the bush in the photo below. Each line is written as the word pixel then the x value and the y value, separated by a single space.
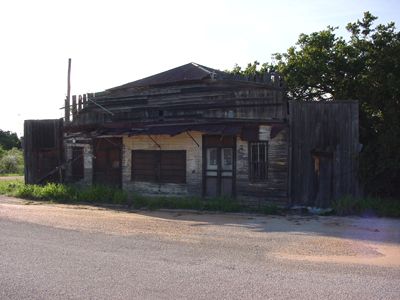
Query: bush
pixel 11 161
pixel 50 191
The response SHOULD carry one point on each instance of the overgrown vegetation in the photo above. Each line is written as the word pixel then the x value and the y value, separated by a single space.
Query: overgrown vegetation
pixel 11 157
pixel 11 161
pixel 62 193
pixel 101 194
pixel 323 67
pixel 214 204
pixel 367 207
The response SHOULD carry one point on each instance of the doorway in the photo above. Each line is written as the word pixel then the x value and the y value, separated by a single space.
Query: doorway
pixel 107 161
pixel 323 178
pixel 219 166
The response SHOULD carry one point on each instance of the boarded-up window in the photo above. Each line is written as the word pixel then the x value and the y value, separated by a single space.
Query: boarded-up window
pixel 159 166
pixel 77 163
pixel 258 161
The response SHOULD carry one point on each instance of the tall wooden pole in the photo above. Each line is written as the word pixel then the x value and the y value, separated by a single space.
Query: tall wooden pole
pixel 68 99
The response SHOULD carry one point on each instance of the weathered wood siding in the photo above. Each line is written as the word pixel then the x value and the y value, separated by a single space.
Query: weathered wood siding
pixel 204 100
pixel 325 147
pixel 43 151
pixel 193 185
pixel 275 188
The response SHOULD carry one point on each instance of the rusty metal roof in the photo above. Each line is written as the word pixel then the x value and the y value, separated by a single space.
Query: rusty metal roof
pixel 188 72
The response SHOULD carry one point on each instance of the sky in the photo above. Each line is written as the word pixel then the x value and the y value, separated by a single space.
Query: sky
pixel 116 42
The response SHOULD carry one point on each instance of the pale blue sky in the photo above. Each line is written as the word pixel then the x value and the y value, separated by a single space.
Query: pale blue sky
pixel 115 42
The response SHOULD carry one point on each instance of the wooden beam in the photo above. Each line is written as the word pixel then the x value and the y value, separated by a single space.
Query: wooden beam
pixel 80 101
pixel 84 101
pixel 74 110
pixel 68 98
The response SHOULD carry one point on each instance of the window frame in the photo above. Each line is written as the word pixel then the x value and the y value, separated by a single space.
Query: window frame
pixel 253 178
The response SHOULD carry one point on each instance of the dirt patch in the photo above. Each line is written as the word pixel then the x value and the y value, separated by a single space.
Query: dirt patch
pixel 378 255
pixel 329 246
pixel 10 178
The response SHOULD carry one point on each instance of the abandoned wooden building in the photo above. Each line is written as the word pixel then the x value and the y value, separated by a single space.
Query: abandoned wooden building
pixel 197 131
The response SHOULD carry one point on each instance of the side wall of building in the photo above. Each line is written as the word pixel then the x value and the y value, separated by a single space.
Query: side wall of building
pixel 325 150
pixel 43 151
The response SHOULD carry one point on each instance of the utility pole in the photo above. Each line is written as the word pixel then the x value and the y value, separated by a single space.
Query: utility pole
pixel 68 98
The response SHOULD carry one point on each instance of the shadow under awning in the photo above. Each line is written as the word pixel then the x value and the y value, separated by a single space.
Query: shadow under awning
pixel 217 129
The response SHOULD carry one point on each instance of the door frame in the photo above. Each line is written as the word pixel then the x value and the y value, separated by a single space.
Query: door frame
pixel 112 143
pixel 219 145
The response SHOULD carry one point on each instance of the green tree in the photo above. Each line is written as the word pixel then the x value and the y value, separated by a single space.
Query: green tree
pixel 9 140
pixel 325 67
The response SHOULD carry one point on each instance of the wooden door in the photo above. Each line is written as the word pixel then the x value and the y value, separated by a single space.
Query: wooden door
pixel 219 163
pixel 107 161
pixel 324 180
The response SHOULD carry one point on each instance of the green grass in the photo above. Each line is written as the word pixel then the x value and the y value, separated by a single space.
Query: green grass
pixel 101 194
pixel 9 187
pixel 12 174
pixel 213 204
pixel 368 206
pixel 63 193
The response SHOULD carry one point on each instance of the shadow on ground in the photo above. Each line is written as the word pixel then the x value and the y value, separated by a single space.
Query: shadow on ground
pixel 367 229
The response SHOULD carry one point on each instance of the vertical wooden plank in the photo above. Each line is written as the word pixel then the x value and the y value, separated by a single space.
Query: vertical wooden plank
pixel 74 108
pixel 66 109
pixel 84 101
pixel 290 151
pixel 333 129
pixel 43 150
pixel 68 98
pixel 79 103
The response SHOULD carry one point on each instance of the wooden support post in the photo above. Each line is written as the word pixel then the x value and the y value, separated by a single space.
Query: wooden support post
pixel 80 103
pixel 68 99
pixel 84 101
pixel 67 110
pixel 74 111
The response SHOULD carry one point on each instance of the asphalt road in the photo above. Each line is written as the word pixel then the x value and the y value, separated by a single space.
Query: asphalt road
pixel 68 252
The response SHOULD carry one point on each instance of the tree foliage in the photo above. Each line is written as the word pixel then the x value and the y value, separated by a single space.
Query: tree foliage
pixel 9 140
pixel 323 66
pixel 11 157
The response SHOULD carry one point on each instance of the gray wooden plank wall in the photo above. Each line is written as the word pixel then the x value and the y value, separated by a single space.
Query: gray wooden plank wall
pixel 330 128
pixel 43 150
pixel 203 100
